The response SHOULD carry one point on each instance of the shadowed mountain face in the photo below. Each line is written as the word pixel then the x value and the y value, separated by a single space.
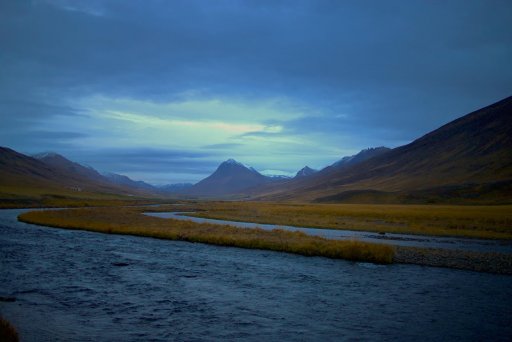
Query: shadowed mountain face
pixel 361 156
pixel 14 166
pixel 52 173
pixel 473 151
pixel 19 171
pixel 59 162
pixel 231 177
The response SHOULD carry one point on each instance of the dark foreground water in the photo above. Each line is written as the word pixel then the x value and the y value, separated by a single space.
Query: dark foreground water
pixel 67 288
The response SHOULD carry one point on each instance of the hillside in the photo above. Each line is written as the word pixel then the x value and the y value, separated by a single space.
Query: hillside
pixel 361 156
pixel 69 167
pixel 468 157
pixel 22 176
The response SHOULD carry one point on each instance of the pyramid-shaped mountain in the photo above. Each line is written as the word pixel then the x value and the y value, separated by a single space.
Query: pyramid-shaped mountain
pixel 230 177
pixel 304 172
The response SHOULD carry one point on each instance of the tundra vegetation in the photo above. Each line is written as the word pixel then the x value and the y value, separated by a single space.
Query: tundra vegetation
pixel 131 221
pixel 30 198
pixel 488 222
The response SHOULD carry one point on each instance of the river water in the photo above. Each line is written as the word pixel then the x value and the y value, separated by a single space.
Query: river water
pixel 67 288
pixel 466 244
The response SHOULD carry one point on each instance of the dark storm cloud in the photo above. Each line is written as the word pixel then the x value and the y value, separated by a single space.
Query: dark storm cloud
pixel 308 47
pixel 376 71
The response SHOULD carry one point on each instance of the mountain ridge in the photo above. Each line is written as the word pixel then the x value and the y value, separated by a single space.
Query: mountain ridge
pixel 473 149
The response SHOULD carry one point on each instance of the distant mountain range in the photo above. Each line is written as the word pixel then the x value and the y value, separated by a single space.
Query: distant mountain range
pixel 468 160
pixel 178 188
pixel 52 173
pixel 126 181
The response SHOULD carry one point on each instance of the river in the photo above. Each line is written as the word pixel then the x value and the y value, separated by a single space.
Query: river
pixel 466 244
pixel 68 288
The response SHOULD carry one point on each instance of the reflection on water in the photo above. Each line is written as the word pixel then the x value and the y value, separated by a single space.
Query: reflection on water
pixel 68 287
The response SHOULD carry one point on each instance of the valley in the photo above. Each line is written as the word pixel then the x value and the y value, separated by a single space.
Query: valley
pixel 453 182
pixel 309 170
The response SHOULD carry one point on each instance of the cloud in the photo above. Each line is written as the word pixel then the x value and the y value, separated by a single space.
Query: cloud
pixel 227 146
pixel 272 81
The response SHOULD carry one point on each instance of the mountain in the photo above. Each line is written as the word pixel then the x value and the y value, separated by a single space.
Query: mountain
pixel 50 173
pixel 466 160
pixel 280 189
pixel 231 177
pixel 361 156
pixel 24 175
pixel 71 168
pixel 126 181
pixel 16 167
pixel 85 174
pixel 304 172
pixel 177 188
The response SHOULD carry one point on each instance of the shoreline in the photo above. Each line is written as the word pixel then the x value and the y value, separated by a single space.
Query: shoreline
pixel 488 262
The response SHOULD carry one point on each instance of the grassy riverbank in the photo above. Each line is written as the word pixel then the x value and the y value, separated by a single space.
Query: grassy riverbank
pixel 131 222
pixel 487 222
pixel 7 332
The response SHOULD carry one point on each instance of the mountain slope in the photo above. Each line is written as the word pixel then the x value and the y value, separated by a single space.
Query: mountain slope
pixel 361 156
pixel 71 168
pixel 21 175
pixel 14 166
pixel 231 177
pixel 475 149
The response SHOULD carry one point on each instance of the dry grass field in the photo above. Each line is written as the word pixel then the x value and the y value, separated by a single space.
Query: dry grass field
pixel 34 197
pixel 491 222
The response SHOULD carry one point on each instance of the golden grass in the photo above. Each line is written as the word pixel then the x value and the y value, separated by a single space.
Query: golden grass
pixel 26 195
pixel 131 222
pixel 7 332
pixel 491 222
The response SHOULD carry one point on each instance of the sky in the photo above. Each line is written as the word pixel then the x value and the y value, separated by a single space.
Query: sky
pixel 164 91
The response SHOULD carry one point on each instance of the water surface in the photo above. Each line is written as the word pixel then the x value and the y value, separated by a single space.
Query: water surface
pixel 68 289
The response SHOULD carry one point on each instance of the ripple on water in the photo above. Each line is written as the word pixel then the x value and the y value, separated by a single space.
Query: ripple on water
pixel 67 289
